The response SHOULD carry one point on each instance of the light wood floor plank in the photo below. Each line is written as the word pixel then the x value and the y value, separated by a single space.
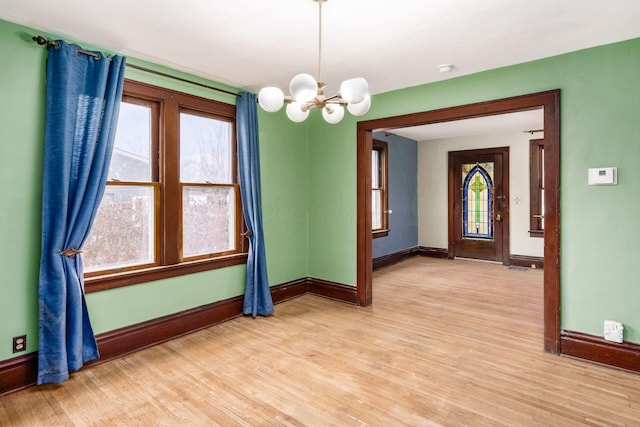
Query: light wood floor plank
pixel 446 343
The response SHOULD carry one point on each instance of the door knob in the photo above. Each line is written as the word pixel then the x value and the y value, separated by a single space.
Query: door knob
pixel 498 217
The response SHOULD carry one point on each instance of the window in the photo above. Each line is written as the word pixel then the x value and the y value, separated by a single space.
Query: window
pixel 380 194
pixel 477 202
pixel 172 201
pixel 536 193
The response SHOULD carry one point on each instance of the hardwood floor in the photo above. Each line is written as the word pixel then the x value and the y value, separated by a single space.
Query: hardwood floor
pixel 445 343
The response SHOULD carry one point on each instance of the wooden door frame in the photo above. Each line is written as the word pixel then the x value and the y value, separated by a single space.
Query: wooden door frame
pixel 451 220
pixel 550 101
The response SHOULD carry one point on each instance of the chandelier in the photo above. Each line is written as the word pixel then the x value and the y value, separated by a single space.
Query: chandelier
pixel 307 93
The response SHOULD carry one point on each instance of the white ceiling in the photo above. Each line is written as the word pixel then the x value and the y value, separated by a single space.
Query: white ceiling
pixel 392 43
pixel 502 123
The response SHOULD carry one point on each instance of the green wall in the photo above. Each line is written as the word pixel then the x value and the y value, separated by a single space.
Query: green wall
pixel 309 188
pixel 600 101
pixel 284 162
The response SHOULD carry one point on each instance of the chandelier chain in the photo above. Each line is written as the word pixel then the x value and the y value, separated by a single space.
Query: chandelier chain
pixel 320 39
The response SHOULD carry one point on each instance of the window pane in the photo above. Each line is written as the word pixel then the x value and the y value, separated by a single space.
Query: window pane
pixel 205 150
pixel 375 169
pixel 208 220
pixel 376 210
pixel 123 231
pixel 542 209
pixel 131 152
pixel 477 200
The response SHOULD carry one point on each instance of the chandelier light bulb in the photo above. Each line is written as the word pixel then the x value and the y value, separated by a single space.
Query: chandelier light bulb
pixel 333 113
pixel 354 90
pixel 303 88
pixel 295 113
pixel 307 93
pixel 271 99
pixel 361 108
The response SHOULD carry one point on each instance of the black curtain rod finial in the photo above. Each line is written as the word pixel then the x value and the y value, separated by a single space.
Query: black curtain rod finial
pixel 40 40
pixel 43 41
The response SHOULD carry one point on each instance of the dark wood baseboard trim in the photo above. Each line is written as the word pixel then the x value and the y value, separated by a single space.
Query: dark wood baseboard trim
pixel 123 341
pixel 596 349
pixel 433 252
pixel 21 372
pixel 333 290
pixel 289 290
pixel 18 373
pixel 394 258
pixel 526 261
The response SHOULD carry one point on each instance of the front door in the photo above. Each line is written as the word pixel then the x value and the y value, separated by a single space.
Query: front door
pixel 479 204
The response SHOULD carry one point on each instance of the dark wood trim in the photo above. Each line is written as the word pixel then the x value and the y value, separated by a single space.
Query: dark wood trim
pixel 18 373
pixel 21 372
pixel 333 290
pixel 597 350
pixel 526 261
pixel 550 101
pixel 536 186
pixel 451 224
pixel 123 341
pixel 364 239
pixel 394 258
pixel 552 222
pixel 380 233
pixel 289 290
pixel 117 280
pixel 433 252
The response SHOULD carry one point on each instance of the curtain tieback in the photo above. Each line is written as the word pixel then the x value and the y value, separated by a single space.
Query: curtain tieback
pixel 247 234
pixel 70 252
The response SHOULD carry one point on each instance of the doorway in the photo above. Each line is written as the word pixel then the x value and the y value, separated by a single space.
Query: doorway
pixel 549 101
pixel 479 204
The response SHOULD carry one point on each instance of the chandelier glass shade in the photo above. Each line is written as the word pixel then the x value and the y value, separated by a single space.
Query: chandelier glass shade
pixel 307 93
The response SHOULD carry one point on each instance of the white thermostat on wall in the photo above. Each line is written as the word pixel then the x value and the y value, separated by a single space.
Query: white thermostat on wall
pixel 603 176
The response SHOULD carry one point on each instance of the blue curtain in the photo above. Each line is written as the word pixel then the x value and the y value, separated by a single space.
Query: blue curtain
pixel 83 95
pixel 257 296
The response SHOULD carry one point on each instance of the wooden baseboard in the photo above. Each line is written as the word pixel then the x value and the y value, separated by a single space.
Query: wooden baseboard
pixel 394 258
pixel 18 373
pixel 123 341
pixel 333 290
pixel 433 252
pixel 21 372
pixel 526 261
pixel 595 349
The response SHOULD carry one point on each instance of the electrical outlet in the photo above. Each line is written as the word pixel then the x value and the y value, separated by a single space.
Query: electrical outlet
pixel 19 343
pixel 613 331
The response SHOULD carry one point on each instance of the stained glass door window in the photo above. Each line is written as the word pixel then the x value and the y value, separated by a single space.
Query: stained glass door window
pixel 477 197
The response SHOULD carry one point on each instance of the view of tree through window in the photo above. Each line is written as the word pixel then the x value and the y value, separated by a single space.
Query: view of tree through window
pixel 123 231
pixel 172 202
pixel 207 208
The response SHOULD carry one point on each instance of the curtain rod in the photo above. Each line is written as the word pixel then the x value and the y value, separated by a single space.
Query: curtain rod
pixel 42 41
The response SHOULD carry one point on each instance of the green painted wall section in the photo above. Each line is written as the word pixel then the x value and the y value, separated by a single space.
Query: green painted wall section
pixel 332 201
pixel 600 100
pixel 285 212
pixel 22 87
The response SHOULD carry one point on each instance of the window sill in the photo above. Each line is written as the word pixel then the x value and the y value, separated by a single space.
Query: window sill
pixel 536 233
pixel 380 233
pixel 117 280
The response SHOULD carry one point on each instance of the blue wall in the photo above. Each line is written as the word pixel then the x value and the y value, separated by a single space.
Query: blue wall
pixel 403 195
